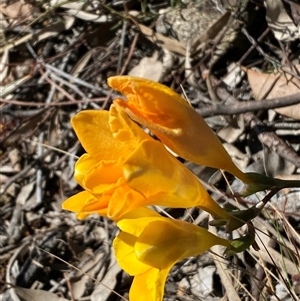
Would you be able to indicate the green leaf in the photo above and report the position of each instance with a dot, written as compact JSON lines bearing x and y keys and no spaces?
{"x":261,"y":182}
{"x":242,"y":243}
{"x":242,"y":217}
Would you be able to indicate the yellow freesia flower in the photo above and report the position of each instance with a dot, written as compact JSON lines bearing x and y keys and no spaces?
{"x":173,"y":121}
{"x":124,"y":168}
{"x":104,"y":135}
{"x":149,"y":245}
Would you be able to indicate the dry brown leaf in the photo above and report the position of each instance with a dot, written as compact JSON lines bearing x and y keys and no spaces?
{"x":148,"y":67}
{"x":275,"y":165}
{"x":233,"y":131}
{"x":161,"y":40}
{"x":211,"y":32}
{"x":240,"y":159}
{"x":26,"y":194}
{"x":81,"y":63}
{"x":261,"y":83}
{"x":271,"y":85}
{"x":17,"y":10}
{"x":88,"y":16}
{"x":202,"y":283}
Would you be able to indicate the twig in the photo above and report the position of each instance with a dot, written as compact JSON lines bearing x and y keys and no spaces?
{"x":271,"y":140}
{"x":253,"y":46}
{"x":64,"y":82}
{"x":74,"y":79}
{"x":258,"y":48}
{"x":265,"y":136}
{"x":69,"y":286}
{"x":51,"y":82}
{"x":244,"y":107}
{"x":42,"y":104}
{"x":122,"y":42}
{"x":131,"y":50}
{"x":39,"y":173}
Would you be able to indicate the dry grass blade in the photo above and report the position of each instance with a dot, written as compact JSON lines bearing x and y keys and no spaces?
{"x":222,"y":269}
{"x":13,"y":86}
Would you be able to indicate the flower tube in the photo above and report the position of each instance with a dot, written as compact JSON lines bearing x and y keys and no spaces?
{"x":173,"y":121}
{"x":149,"y":245}
{"x":124,"y":169}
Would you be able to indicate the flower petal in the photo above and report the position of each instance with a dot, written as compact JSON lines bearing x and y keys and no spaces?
{"x":141,"y":212}
{"x":173,"y":121}
{"x":165,"y":242}
{"x":123,"y":200}
{"x":124,"y":129}
{"x":83,"y":165}
{"x":164,"y":181}
{"x":124,"y":252}
{"x":103,"y":176}
{"x":97,"y":205}
{"x":149,"y":286}
{"x":77,"y":202}
{"x":92,"y":129}
{"x":136,"y":226}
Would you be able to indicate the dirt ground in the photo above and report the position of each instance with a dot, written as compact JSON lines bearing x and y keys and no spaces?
{"x":240,"y":73}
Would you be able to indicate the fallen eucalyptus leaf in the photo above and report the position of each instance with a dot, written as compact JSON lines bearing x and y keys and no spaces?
{"x":275,"y":85}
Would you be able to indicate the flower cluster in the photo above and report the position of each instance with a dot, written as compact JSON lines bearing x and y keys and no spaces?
{"x":125,"y":170}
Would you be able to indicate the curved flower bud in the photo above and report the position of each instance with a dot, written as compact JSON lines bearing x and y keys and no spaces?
{"x":148,"y":246}
{"x":173,"y":121}
{"x":124,"y":168}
